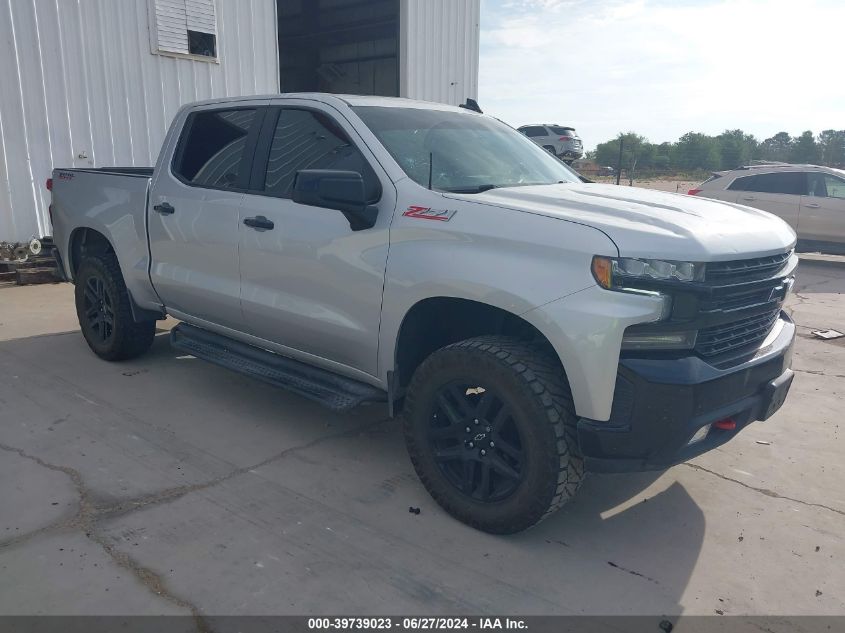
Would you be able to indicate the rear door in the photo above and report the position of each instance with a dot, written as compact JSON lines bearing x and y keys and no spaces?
{"x":777,"y":192}
{"x":309,"y":283}
{"x":193,"y":219}
{"x":823,"y":209}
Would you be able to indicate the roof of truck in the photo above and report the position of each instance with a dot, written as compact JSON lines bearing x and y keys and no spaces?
{"x":351,"y":100}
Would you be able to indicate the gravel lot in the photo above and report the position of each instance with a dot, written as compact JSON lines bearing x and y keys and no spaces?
{"x":168,"y":485}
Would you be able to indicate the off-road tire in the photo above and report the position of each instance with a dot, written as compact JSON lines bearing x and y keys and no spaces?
{"x":531,"y":381}
{"x":128,"y":338}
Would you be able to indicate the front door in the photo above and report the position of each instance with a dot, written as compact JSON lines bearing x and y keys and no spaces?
{"x":193,"y":219}
{"x":823,"y":209}
{"x":309,"y":283}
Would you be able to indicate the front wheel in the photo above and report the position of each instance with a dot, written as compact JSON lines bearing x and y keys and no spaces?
{"x":489,"y":426}
{"x":104,"y":312}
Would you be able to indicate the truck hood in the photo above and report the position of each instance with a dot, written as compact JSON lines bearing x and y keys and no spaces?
{"x":655,"y":224}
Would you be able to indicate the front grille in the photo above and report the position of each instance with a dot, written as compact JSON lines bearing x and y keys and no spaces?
{"x":745,"y":269}
{"x":743,"y":302}
{"x":733,"y":336}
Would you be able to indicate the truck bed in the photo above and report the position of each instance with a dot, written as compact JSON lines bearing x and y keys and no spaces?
{"x":111,"y":201}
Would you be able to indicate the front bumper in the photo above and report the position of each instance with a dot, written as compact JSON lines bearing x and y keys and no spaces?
{"x":660,"y":404}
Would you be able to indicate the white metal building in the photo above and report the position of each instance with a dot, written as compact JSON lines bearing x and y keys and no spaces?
{"x":90,"y":83}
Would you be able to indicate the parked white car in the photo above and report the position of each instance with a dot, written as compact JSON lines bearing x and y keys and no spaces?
{"x":810,"y":198}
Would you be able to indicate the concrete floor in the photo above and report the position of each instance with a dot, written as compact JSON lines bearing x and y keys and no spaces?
{"x":168,"y":485}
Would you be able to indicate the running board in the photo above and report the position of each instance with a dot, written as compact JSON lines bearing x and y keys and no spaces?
{"x":329,"y":389}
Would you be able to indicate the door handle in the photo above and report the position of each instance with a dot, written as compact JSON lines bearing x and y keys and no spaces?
{"x":812,"y":205}
{"x":165,"y":208}
{"x":259,"y":223}
{"x":749,"y":198}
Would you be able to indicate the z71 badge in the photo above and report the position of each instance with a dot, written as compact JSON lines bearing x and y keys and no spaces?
{"x":426,"y":213}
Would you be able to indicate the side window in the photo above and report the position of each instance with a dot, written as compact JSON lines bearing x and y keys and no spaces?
{"x":306,"y":139}
{"x":745,"y":183}
{"x":534,"y":130}
{"x":835,"y":186}
{"x":211,"y":152}
{"x":791,"y":182}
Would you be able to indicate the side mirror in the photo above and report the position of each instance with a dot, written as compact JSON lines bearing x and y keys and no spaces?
{"x":340,"y":190}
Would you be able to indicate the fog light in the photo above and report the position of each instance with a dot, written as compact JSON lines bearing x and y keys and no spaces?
{"x":725,"y":425}
{"x":700,"y":434}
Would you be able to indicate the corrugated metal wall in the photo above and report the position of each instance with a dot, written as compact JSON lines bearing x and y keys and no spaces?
{"x":439,"y":49}
{"x":77,"y":78}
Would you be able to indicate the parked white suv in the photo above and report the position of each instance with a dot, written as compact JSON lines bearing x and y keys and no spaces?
{"x":561,"y":140}
{"x":809,"y":197}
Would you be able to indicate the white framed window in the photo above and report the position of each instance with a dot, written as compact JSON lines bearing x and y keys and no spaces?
{"x":184,"y":28}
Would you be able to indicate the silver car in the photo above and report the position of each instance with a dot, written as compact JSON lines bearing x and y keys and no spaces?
{"x":810,"y":198}
{"x":560,"y":140}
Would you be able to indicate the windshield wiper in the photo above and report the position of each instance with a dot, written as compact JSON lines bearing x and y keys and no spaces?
{"x":474,"y":189}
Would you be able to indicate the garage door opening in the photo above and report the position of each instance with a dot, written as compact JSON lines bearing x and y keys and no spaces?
{"x":339,"y":46}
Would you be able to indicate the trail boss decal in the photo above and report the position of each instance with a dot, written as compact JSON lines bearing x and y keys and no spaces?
{"x":426,"y":213}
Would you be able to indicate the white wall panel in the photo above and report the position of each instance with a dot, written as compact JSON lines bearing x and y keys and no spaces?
{"x":439,"y":49}
{"x":77,"y":78}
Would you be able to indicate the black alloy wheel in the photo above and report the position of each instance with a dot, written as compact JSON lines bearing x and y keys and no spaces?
{"x":476,"y":443}
{"x":99,"y":308}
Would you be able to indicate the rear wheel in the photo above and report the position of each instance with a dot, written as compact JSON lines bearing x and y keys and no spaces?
{"x":104,"y":312}
{"x":490,"y":429}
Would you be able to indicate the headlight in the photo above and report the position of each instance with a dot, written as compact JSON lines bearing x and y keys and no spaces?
{"x":652,"y":341}
{"x":622,"y":273}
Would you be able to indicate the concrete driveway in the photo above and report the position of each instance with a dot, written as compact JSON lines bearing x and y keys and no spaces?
{"x":167,"y":485}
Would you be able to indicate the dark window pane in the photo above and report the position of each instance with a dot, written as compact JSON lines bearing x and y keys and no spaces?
{"x":213,"y":151}
{"x":791,"y":182}
{"x":816,"y":185}
{"x":204,"y":44}
{"x":562,"y":131}
{"x":534,"y":130}
{"x":304,"y":139}
{"x":742,"y":184}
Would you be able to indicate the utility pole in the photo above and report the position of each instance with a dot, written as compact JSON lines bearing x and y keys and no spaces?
{"x":619,"y":162}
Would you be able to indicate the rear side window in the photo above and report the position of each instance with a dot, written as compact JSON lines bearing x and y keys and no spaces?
{"x":211,"y":151}
{"x":790,"y":182}
{"x":306,"y":139}
{"x":534,"y":130}
{"x":562,"y":131}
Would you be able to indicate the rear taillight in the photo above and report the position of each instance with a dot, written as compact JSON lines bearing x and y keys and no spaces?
{"x":49,"y":184}
{"x":565,"y":138}
{"x":694,"y":192}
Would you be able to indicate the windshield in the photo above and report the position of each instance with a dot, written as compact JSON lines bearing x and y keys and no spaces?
{"x":461,"y":152}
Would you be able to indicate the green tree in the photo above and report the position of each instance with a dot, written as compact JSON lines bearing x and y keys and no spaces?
{"x":696,"y":151}
{"x":776,"y":148}
{"x":636,"y":152}
{"x":831,"y":145}
{"x":804,"y":149}
{"x":736,"y":148}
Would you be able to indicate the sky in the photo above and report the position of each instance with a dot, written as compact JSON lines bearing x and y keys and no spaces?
{"x":662,"y":68}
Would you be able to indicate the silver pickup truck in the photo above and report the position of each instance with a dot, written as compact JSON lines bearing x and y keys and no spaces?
{"x":528,"y":326}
